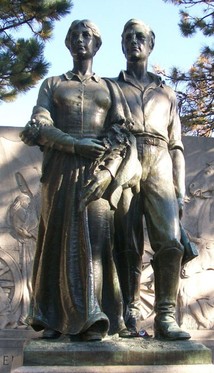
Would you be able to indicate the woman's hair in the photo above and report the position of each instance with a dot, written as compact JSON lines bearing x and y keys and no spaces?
{"x":146,"y":28}
{"x":85,"y":23}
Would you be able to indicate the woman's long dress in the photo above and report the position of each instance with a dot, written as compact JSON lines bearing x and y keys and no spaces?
{"x":75,"y":284}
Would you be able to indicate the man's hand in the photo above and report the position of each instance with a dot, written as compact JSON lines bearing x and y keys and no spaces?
{"x":95,"y":188}
{"x":89,"y":148}
{"x":180,"y":206}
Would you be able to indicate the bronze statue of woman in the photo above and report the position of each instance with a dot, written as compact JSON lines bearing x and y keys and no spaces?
{"x":75,"y":285}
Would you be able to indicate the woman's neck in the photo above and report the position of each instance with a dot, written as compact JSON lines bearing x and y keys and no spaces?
{"x":82,"y":68}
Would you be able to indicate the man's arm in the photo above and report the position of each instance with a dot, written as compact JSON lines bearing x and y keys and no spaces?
{"x":178,"y":163}
{"x":176,"y":151}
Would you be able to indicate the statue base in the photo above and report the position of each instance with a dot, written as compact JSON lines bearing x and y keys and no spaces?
{"x":115,"y":355}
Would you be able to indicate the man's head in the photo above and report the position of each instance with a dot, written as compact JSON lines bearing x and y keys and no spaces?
{"x":137,"y":34}
{"x":83,"y":25}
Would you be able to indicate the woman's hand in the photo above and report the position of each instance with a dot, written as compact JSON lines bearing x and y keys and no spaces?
{"x":89,"y":148}
{"x":30,"y":134}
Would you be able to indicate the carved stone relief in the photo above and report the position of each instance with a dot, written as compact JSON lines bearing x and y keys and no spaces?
{"x":19,"y":213}
{"x":196,"y":292}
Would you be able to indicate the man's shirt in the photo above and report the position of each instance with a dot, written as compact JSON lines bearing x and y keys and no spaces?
{"x":154,"y":109}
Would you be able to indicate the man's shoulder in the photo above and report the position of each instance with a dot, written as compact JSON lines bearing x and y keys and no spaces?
{"x":170,"y":91}
{"x":111,"y":79}
{"x":161,"y":83}
{"x":113,"y":84}
{"x":117,"y":78}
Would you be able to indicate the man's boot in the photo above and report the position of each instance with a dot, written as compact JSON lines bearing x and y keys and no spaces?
{"x":167,"y":265}
{"x":129,"y":266}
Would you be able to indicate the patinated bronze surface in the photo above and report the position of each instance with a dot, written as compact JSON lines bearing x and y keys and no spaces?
{"x":81,"y":124}
{"x":158,"y":132}
{"x":90,"y":241}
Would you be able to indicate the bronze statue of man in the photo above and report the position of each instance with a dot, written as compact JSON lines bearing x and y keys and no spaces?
{"x":162,"y":188}
{"x":75,"y":285}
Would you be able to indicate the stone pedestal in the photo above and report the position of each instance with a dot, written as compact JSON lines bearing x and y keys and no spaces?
{"x":11,"y":347}
{"x":120,"y":369}
{"x":115,"y":355}
{"x":10,"y":354}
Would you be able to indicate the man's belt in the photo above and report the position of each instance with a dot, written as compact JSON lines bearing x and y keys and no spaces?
{"x":149,"y":140}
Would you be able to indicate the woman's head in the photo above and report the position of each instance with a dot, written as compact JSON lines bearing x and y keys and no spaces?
{"x":87,"y":24}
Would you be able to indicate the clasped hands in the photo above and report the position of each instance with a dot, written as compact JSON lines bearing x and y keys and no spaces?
{"x":36,"y":133}
{"x":92,"y":148}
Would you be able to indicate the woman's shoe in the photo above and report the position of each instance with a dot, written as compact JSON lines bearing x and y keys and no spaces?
{"x":50,"y":334}
{"x":91,"y":335}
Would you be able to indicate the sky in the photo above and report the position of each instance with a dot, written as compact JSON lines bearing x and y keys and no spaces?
{"x":171,"y":49}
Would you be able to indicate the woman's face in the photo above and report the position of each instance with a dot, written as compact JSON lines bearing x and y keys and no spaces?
{"x":83,"y":43}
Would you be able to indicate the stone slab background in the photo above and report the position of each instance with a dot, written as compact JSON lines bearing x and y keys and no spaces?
{"x":20,"y":168}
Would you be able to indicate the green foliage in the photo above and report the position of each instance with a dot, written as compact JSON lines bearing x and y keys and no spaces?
{"x":22,"y":62}
{"x":195,"y":87}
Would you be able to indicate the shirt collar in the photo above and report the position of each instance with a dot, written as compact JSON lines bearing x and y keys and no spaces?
{"x":71,"y":76}
{"x":157,"y":81}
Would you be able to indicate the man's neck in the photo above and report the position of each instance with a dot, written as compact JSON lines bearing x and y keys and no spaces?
{"x":138,"y":70}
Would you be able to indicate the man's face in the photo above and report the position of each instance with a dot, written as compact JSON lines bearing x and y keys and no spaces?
{"x":136,"y":44}
{"x":83,"y":43}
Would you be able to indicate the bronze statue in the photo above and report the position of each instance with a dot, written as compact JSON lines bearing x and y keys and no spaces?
{"x":162,"y":188}
{"x":81,"y":122}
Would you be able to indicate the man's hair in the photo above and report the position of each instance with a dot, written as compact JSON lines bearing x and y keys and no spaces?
{"x":146,"y":28}
{"x":85,"y":23}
